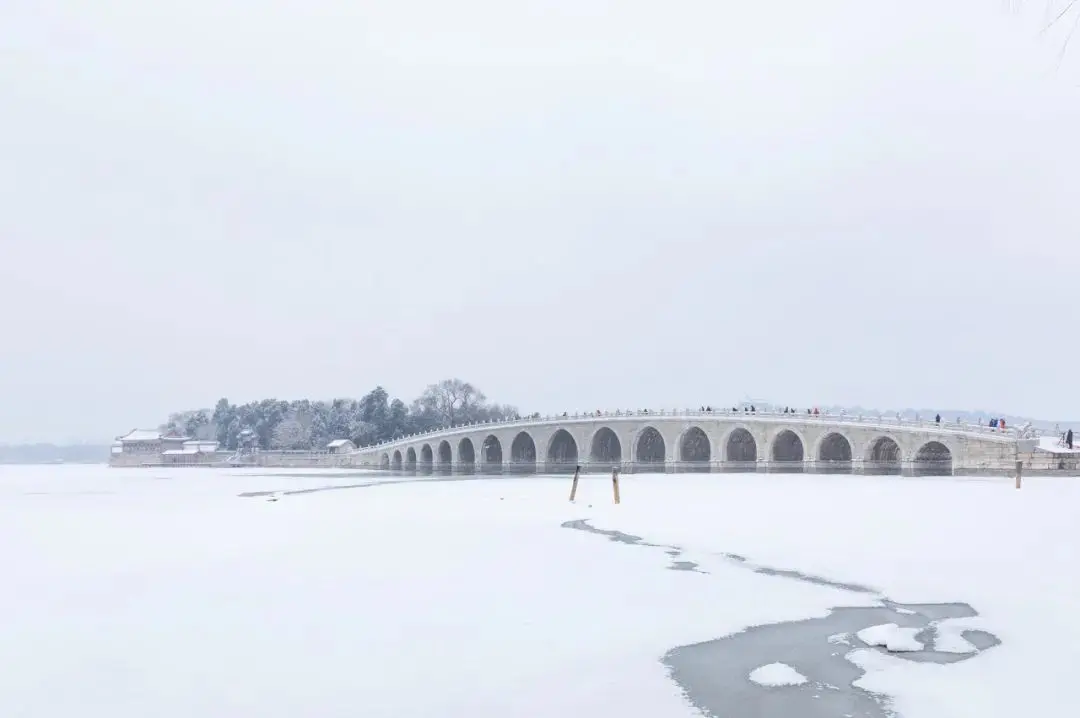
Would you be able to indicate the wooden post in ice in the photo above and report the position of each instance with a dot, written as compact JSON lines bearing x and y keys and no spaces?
{"x":615,"y":484}
{"x":1019,"y":464}
{"x":573,"y":487}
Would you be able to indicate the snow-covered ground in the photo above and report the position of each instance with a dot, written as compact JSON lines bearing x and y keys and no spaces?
{"x":1053,"y":444}
{"x":131,"y":593}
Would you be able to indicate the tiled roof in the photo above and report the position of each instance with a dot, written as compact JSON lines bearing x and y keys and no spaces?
{"x":337,"y":443}
{"x":142,"y":435}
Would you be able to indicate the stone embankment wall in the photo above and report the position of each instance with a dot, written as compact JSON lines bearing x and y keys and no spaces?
{"x":135,"y":460}
{"x":1046,"y":463}
{"x":302,"y":459}
{"x":262,"y":459}
{"x":983,"y":459}
{"x":124,"y":460}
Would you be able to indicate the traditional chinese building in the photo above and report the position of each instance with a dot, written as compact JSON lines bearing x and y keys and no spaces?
{"x":142,"y":447}
{"x":341,"y":446}
{"x":192,"y":451}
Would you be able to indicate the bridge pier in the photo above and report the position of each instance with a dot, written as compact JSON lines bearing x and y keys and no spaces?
{"x":787,"y":467}
{"x":561,"y":467}
{"x":830,"y":467}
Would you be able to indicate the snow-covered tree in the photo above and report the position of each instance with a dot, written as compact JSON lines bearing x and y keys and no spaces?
{"x":307,"y":424}
{"x":292,"y":433}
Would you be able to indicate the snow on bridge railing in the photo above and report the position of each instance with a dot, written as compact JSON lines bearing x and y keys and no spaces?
{"x":824,"y":417}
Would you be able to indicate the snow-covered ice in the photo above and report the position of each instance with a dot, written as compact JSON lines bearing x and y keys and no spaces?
{"x":135,"y":592}
{"x":949,"y":638}
{"x":891,"y":637}
{"x":777,"y":674}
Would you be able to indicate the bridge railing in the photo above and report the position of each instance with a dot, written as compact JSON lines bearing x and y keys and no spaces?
{"x":822,"y":417}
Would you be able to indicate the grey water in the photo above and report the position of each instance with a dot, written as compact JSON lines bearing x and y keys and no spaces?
{"x":388,"y":478}
{"x":715,"y":674}
{"x":672,"y":551}
{"x":344,"y":487}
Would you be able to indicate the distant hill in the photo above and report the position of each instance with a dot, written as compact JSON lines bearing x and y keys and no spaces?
{"x":52,"y":453}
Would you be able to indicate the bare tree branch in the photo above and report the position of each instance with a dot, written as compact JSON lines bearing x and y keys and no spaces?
{"x":1059,"y":16}
{"x":1068,"y":38}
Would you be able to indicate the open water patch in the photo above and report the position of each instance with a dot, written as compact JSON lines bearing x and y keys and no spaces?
{"x":809,"y":578}
{"x":673,"y":551}
{"x":347,"y":487}
{"x":408,"y":479}
{"x":716,"y":675}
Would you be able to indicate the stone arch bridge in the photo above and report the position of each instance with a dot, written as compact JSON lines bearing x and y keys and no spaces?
{"x":666,"y":441}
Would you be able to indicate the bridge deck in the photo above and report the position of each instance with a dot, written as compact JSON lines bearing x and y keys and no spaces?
{"x":881,"y":423}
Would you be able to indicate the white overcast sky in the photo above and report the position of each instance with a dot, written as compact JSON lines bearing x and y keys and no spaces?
{"x":571,"y":203}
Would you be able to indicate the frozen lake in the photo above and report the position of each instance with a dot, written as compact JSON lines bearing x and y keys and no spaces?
{"x":180,"y":593}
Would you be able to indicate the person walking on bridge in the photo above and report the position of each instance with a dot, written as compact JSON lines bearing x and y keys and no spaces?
{"x":1069,"y":439}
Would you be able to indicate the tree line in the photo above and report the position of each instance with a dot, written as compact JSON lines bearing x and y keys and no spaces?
{"x":306,"y":424}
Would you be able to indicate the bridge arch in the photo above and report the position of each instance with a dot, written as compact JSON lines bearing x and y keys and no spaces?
{"x":466,"y":454}
{"x":491,"y":453}
{"x":523,"y":452}
{"x":384,"y":461}
{"x":562,"y":451}
{"x":445,"y":455}
{"x":605,"y":447}
{"x":787,"y":451}
{"x":833,"y":454}
{"x":695,"y":449}
{"x":410,"y":459}
{"x":395,"y":462}
{"x":740,"y":448}
{"x":883,"y":456}
{"x":933,"y":459}
{"x":427,"y":457}
{"x":650,"y":451}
